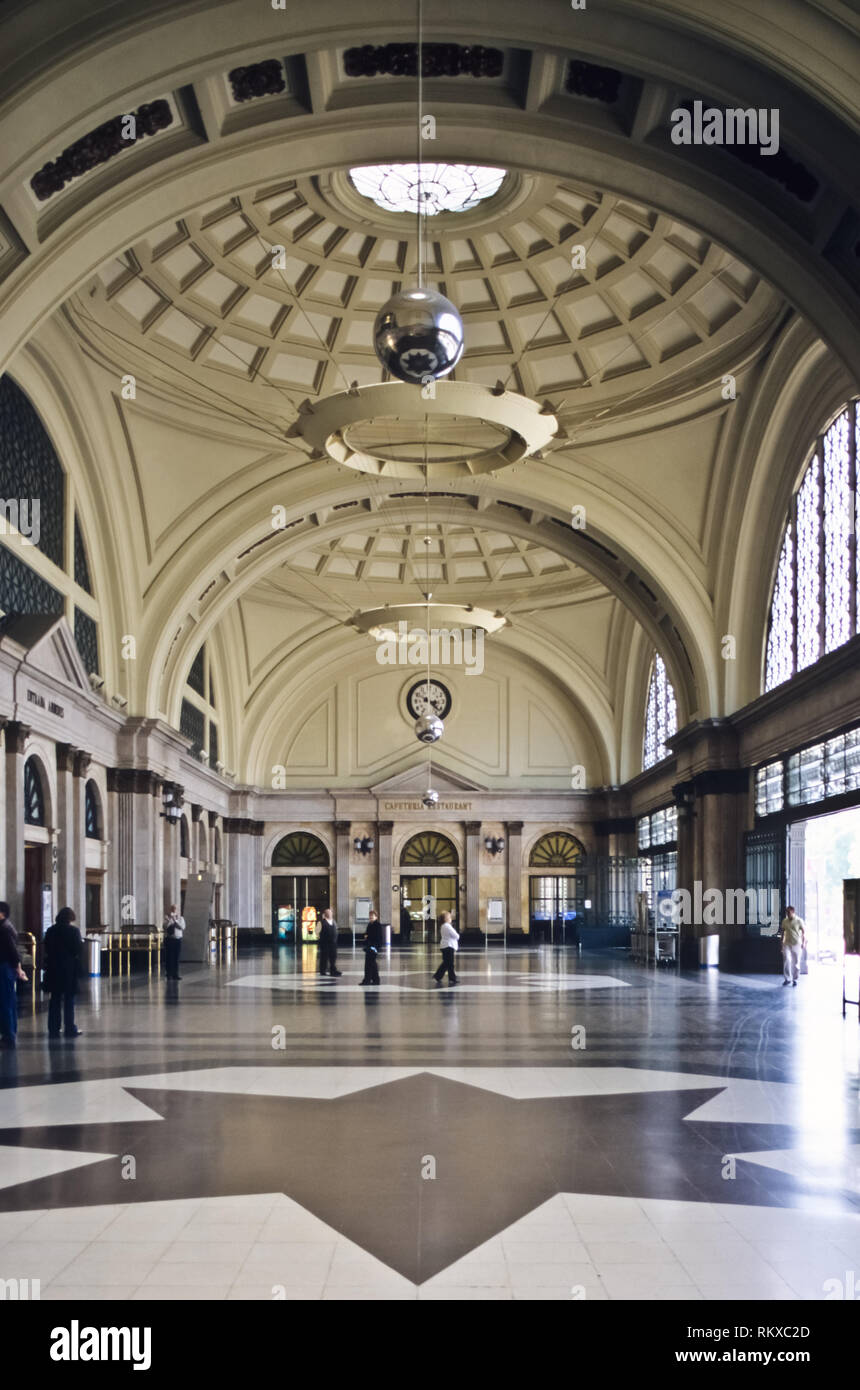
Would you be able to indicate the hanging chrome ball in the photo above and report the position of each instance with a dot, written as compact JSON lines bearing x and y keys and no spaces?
{"x":429,"y":728}
{"x":418,"y":335}
{"x":430,"y":799}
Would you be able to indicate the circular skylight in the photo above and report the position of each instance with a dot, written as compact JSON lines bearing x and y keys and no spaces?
{"x":441,"y":187}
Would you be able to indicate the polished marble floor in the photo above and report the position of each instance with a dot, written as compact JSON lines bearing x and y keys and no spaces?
{"x":556,"y":1126}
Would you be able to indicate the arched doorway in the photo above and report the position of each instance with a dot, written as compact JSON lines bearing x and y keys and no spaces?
{"x":301,"y":887}
{"x":38,"y":904}
{"x":93,"y":835}
{"x":557,"y":899}
{"x":429,"y":885}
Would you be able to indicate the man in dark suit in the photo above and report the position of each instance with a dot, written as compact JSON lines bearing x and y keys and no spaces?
{"x":373,"y":943}
{"x":328,"y":944}
{"x":63,"y":950}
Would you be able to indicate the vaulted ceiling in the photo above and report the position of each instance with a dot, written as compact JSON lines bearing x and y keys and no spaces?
{"x":697,"y":272}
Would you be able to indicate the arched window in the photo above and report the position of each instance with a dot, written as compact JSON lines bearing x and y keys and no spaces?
{"x":429,"y":849}
{"x":300,"y":849}
{"x":814,"y":607}
{"x":661,"y":715}
{"x":216,"y":846}
{"x":92,"y":812}
{"x":34,"y":796}
{"x":557,"y":850}
{"x":183,"y":838}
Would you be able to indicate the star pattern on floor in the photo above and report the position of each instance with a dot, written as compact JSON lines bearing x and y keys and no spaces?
{"x":444,"y":1165}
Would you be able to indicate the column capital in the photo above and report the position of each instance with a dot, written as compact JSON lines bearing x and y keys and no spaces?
{"x":514,"y":827}
{"x":16,"y":736}
{"x":236,"y":825}
{"x":473,"y":827}
{"x":342,"y":827}
{"x":213,"y":819}
{"x":65,"y":757}
{"x":196,"y":814}
{"x":385,"y":827}
{"x":82,"y":762}
{"x":133,"y":779}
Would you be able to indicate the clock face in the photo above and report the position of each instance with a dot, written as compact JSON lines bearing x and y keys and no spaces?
{"x":432,"y":696}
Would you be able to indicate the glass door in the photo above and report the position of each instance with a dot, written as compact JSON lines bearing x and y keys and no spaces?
{"x":556,"y":906}
{"x":424,"y":897}
{"x":298,"y":902}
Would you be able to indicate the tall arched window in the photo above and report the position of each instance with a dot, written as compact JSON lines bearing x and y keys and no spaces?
{"x":92,"y":812}
{"x":661,"y":714}
{"x":34,"y":796}
{"x":183,"y":838}
{"x":814,"y":607}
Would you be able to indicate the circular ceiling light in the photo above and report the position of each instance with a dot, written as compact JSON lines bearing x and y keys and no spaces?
{"x":441,"y":188}
{"x":460,"y":431}
{"x":407,"y":622}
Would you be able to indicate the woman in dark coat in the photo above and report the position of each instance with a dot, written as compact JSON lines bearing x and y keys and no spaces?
{"x":63,"y":951}
{"x":373,"y":941}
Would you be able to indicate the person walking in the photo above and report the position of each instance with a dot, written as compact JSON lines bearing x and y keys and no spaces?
{"x":174,"y":930}
{"x":63,"y":950}
{"x":374,"y":939}
{"x":328,"y":944}
{"x":449,"y":940}
{"x":793,"y":933}
{"x":11,"y":971}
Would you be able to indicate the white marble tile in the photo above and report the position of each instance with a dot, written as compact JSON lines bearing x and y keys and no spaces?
{"x":310,"y":1291}
{"x":191,"y":1292}
{"x":287,"y":1262}
{"x":117,"y":1263}
{"x":23,"y":1258}
{"x":59,"y":1292}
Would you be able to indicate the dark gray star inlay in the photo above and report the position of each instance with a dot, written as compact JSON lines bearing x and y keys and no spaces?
{"x":356,"y":1161}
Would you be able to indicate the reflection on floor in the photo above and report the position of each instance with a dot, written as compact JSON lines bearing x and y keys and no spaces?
{"x":565,"y":1127}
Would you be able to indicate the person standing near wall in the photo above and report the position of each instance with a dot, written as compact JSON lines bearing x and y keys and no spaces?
{"x":793,"y":933}
{"x":174,"y":930}
{"x":11,"y":971}
{"x":328,"y":944}
{"x":63,"y":951}
{"x":449,"y":940}
{"x":373,"y":943}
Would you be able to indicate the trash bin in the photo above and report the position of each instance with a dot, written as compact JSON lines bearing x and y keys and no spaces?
{"x":94,"y":955}
{"x":709,"y":949}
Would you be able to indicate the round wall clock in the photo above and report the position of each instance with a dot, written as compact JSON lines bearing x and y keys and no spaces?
{"x":433,"y":697}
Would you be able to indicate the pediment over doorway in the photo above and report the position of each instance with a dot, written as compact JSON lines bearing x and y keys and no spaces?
{"x":414,"y":780}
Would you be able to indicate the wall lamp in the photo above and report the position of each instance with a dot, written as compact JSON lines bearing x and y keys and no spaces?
{"x":494,"y":844}
{"x":172,"y":802}
{"x":363,"y":845}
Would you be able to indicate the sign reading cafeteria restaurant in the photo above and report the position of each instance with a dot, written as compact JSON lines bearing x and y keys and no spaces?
{"x":419,"y":806}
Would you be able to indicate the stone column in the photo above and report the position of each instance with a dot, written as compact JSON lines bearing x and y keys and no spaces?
{"x":170,"y":876}
{"x":16,"y":737}
{"x":514,"y":904}
{"x":343,"y":916}
{"x":78,"y":893}
{"x":243,"y":855}
{"x":69,"y":851}
{"x":196,"y":861}
{"x":137,"y":827}
{"x":385,"y":905}
{"x":472,"y":912}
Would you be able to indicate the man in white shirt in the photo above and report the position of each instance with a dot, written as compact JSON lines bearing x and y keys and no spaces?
{"x":449,"y":940}
{"x":174,"y":929}
{"x":793,"y":932}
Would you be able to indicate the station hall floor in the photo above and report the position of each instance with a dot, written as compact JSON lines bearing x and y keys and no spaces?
{"x":556,"y":1126}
